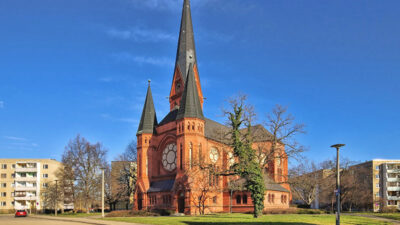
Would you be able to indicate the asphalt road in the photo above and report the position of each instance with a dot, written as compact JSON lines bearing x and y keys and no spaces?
{"x":47,"y":220}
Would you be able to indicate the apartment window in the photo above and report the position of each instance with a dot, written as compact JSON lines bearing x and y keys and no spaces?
{"x":3,"y":204}
{"x":377,"y":176}
{"x":377,"y":167}
{"x":4,"y":166}
{"x":45,"y":175}
{"x":13,"y":166}
{"x":377,"y":195}
{"x":12,"y":194}
{"x":13,"y":175}
{"x":45,"y":185}
{"x":45,"y":166}
{"x":3,"y":185}
{"x":3,"y":175}
{"x":377,"y":185}
{"x":3,"y":194}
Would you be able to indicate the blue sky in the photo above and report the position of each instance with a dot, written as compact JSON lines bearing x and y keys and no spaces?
{"x":81,"y":66}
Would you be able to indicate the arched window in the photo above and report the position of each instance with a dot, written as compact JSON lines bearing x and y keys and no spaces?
{"x":238,"y":199}
{"x":190,"y":154}
{"x":193,"y":127}
{"x":181,"y":156}
{"x":200,"y":154}
{"x":269,"y":198}
{"x":188,"y":125}
{"x":244,"y":199}
{"x":273,"y":198}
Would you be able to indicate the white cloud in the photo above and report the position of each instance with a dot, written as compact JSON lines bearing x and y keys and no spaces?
{"x":14,"y":138}
{"x":157,"y":61}
{"x":141,"y":35}
{"x":1,"y":104}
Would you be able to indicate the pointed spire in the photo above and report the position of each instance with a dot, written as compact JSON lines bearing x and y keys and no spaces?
{"x":148,"y":121}
{"x":190,"y":106}
{"x":186,"y":49}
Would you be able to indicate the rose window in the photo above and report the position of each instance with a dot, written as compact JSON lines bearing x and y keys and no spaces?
{"x":169,"y":157}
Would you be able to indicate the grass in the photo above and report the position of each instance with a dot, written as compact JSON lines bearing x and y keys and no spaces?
{"x":393,"y":216}
{"x":247,"y":219}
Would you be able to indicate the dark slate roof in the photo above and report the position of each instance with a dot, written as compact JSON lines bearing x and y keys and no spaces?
{"x":270,"y":184}
{"x":221,"y":133}
{"x":148,"y":121}
{"x":186,"y":53}
{"x":170,"y":117}
{"x":190,"y":106}
{"x":159,"y":186}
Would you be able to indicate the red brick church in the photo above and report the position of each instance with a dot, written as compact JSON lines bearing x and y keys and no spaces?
{"x":169,"y":151}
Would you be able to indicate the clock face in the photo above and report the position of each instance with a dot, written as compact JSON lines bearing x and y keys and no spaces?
{"x":214,"y":155}
{"x":169,"y":157}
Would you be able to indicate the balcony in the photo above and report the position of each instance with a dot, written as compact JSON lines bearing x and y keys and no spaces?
{"x":25,"y":188}
{"x":393,"y":198}
{"x":26,"y":169}
{"x":25,"y":178}
{"x":25,"y":198}
{"x":393,"y":179}
{"x":393,"y":188}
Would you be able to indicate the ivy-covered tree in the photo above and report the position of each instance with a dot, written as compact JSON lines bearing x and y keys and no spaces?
{"x":247,"y":165}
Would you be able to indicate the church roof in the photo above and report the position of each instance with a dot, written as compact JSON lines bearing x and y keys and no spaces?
{"x":186,"y":53}
{"x":148,"y":121}
{"x":190,"y":106}
{"x":159,"y":186}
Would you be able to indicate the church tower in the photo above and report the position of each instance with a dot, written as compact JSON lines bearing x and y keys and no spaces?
{"x":186,"y":55}
{"x":145,"y":133}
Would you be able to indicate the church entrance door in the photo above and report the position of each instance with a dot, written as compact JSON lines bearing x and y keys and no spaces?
{"x":181,"y":203}
{"x":140,"y":201}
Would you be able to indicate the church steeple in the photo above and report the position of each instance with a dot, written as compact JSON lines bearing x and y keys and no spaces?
{"x":186,"y":55}
{"x":190,"y":106}
{"x":148,"y":121}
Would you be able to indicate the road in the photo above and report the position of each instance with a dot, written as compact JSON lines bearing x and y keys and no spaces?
{"x":47,"y":220}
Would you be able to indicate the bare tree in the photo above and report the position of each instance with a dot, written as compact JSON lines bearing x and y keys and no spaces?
{"x":85,"y":160}
{"x":126,"y":175}
{"x":282,"y":133}
{"x":305,"y":181}
{"x":52,"y":196}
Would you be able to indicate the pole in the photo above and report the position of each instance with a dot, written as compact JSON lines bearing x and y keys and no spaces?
{"x":102,"y":194}
{"x":337,"y":191}
{"x":56,"y":199}
{"x":337,"y":188}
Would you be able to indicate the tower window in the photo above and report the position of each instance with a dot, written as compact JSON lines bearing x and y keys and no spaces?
{"x":238,"y":199}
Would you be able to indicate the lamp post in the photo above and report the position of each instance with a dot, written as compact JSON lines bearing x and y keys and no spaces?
{"x":56,"y":199}
{"x":337,"y":191}
{"x":102,"y":192}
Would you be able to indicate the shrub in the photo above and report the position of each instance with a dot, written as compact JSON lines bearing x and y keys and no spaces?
{"x":311,"y":211}
{"x":281,"y":211}
{"x":389,"y":209}
{"x":131,"y":213}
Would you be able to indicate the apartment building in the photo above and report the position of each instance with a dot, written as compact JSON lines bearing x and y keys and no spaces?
{"x":387,"y":184}
{"x":22,"y":180}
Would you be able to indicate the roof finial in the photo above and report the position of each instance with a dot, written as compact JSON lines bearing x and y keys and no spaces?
{"x":149,"y":81}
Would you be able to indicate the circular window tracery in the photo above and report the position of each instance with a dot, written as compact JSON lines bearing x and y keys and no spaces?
{"x":214,"y":155}
{"x":169,"y":157}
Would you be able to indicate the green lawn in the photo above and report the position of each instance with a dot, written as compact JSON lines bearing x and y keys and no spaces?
{"x":246,"y":219}
{"x":393,"y":216}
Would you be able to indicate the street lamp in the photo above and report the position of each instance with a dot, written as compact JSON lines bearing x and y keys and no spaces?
{"x":56,"y":199}
{"x":337,"y":191}
{"x":102,"y":192}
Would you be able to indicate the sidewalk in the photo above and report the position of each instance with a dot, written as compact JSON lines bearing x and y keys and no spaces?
{"x":92,"y":220}
{"x":374,"y":217}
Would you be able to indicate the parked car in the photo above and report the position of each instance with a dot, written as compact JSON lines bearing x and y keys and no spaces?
{"x":21,"y":213}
